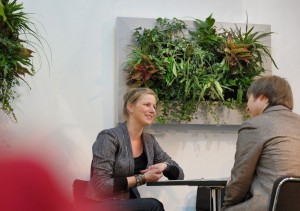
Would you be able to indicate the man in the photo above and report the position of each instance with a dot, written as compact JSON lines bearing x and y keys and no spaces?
{"x":268,"y":145}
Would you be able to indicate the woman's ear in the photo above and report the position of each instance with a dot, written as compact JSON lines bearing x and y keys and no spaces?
{"x":130,"y":108}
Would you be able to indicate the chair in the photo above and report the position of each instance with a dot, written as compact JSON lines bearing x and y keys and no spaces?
{"x":285,"y":194}
{"x":79,"y":187}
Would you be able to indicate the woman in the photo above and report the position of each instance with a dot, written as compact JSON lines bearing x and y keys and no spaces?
{"x":125,"y":157}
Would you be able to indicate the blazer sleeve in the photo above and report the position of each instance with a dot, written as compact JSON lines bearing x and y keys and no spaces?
{"x":161,"y":156}
{"x":104,"y":155}
{"x":248,"y":151}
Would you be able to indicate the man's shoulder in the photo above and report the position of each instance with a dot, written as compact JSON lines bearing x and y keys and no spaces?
{"x":262,"y":119}
{"x":256,"y":123}
{"x":252,"y":123}
{"x":272,"y":119}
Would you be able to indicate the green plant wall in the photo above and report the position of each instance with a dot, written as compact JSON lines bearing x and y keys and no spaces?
{"x":187,"y":68}
{"x":19,"y":40}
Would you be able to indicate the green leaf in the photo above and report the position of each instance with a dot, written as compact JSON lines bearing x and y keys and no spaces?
{"x":174,"y":69}
{"x":2,"y":11}
{"x":219,"y":89}
{"x":240,"y":95}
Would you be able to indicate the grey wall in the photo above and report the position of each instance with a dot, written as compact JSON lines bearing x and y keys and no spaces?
{"x":60,"y":116}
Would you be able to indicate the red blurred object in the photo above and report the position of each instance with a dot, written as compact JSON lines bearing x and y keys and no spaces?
{"x":79,"y":187}
{"x":26,"y":185}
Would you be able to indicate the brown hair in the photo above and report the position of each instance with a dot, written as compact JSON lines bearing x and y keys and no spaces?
{"x":132,"y":97}
{"x":275,"y":88}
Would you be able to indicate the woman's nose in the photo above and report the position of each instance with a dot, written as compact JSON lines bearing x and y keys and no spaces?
{"x":153,"y":109}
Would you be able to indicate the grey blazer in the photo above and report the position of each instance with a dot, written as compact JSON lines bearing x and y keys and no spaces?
{"x":112,"y":157}
{"x":268,"y":146}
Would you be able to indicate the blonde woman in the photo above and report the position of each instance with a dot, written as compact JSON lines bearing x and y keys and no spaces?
{"x":125,"y":157}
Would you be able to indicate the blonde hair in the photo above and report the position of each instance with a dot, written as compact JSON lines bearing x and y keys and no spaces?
{"x":132,"y":96}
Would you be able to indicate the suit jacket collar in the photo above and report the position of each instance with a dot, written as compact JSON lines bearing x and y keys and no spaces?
{"x":275,"y":108}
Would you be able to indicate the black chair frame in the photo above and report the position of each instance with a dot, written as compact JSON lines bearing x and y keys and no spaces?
{"x":285,"y":194}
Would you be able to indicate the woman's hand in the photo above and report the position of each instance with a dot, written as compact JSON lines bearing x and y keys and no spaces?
{"x":160,"y":166}
{"x":152,"y":175}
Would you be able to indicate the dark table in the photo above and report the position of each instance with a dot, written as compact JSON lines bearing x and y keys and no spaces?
{"x":214,"y":185}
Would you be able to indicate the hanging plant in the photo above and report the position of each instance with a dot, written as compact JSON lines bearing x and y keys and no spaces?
{"x":18,"y":41}
{"x":189,"y":68}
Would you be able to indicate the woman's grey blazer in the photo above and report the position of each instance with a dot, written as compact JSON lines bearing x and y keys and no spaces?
{"x":112,"y":157}
{"x":268,"y":147}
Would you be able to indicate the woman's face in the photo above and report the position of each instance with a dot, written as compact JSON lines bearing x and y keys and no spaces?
{"x":144,"y":110}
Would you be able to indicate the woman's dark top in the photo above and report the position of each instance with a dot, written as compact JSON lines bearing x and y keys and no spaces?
{"x":140,"y":163}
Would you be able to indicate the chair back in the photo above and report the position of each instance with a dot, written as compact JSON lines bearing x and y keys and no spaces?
{"x":285,"y":194}
{"x":79,"y":187}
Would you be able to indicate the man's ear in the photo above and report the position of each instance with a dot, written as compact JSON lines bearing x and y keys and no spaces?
{"x":263,"y":98}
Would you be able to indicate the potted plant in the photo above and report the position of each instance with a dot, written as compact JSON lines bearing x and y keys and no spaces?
{"x":189,"y":68}
{"x":18,"y":41}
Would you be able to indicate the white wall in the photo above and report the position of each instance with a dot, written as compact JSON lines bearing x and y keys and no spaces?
{"x":67,"y":106}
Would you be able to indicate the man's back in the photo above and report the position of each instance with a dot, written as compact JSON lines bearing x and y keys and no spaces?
{"x":279,"y":129}
{"x":271,"y":146}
